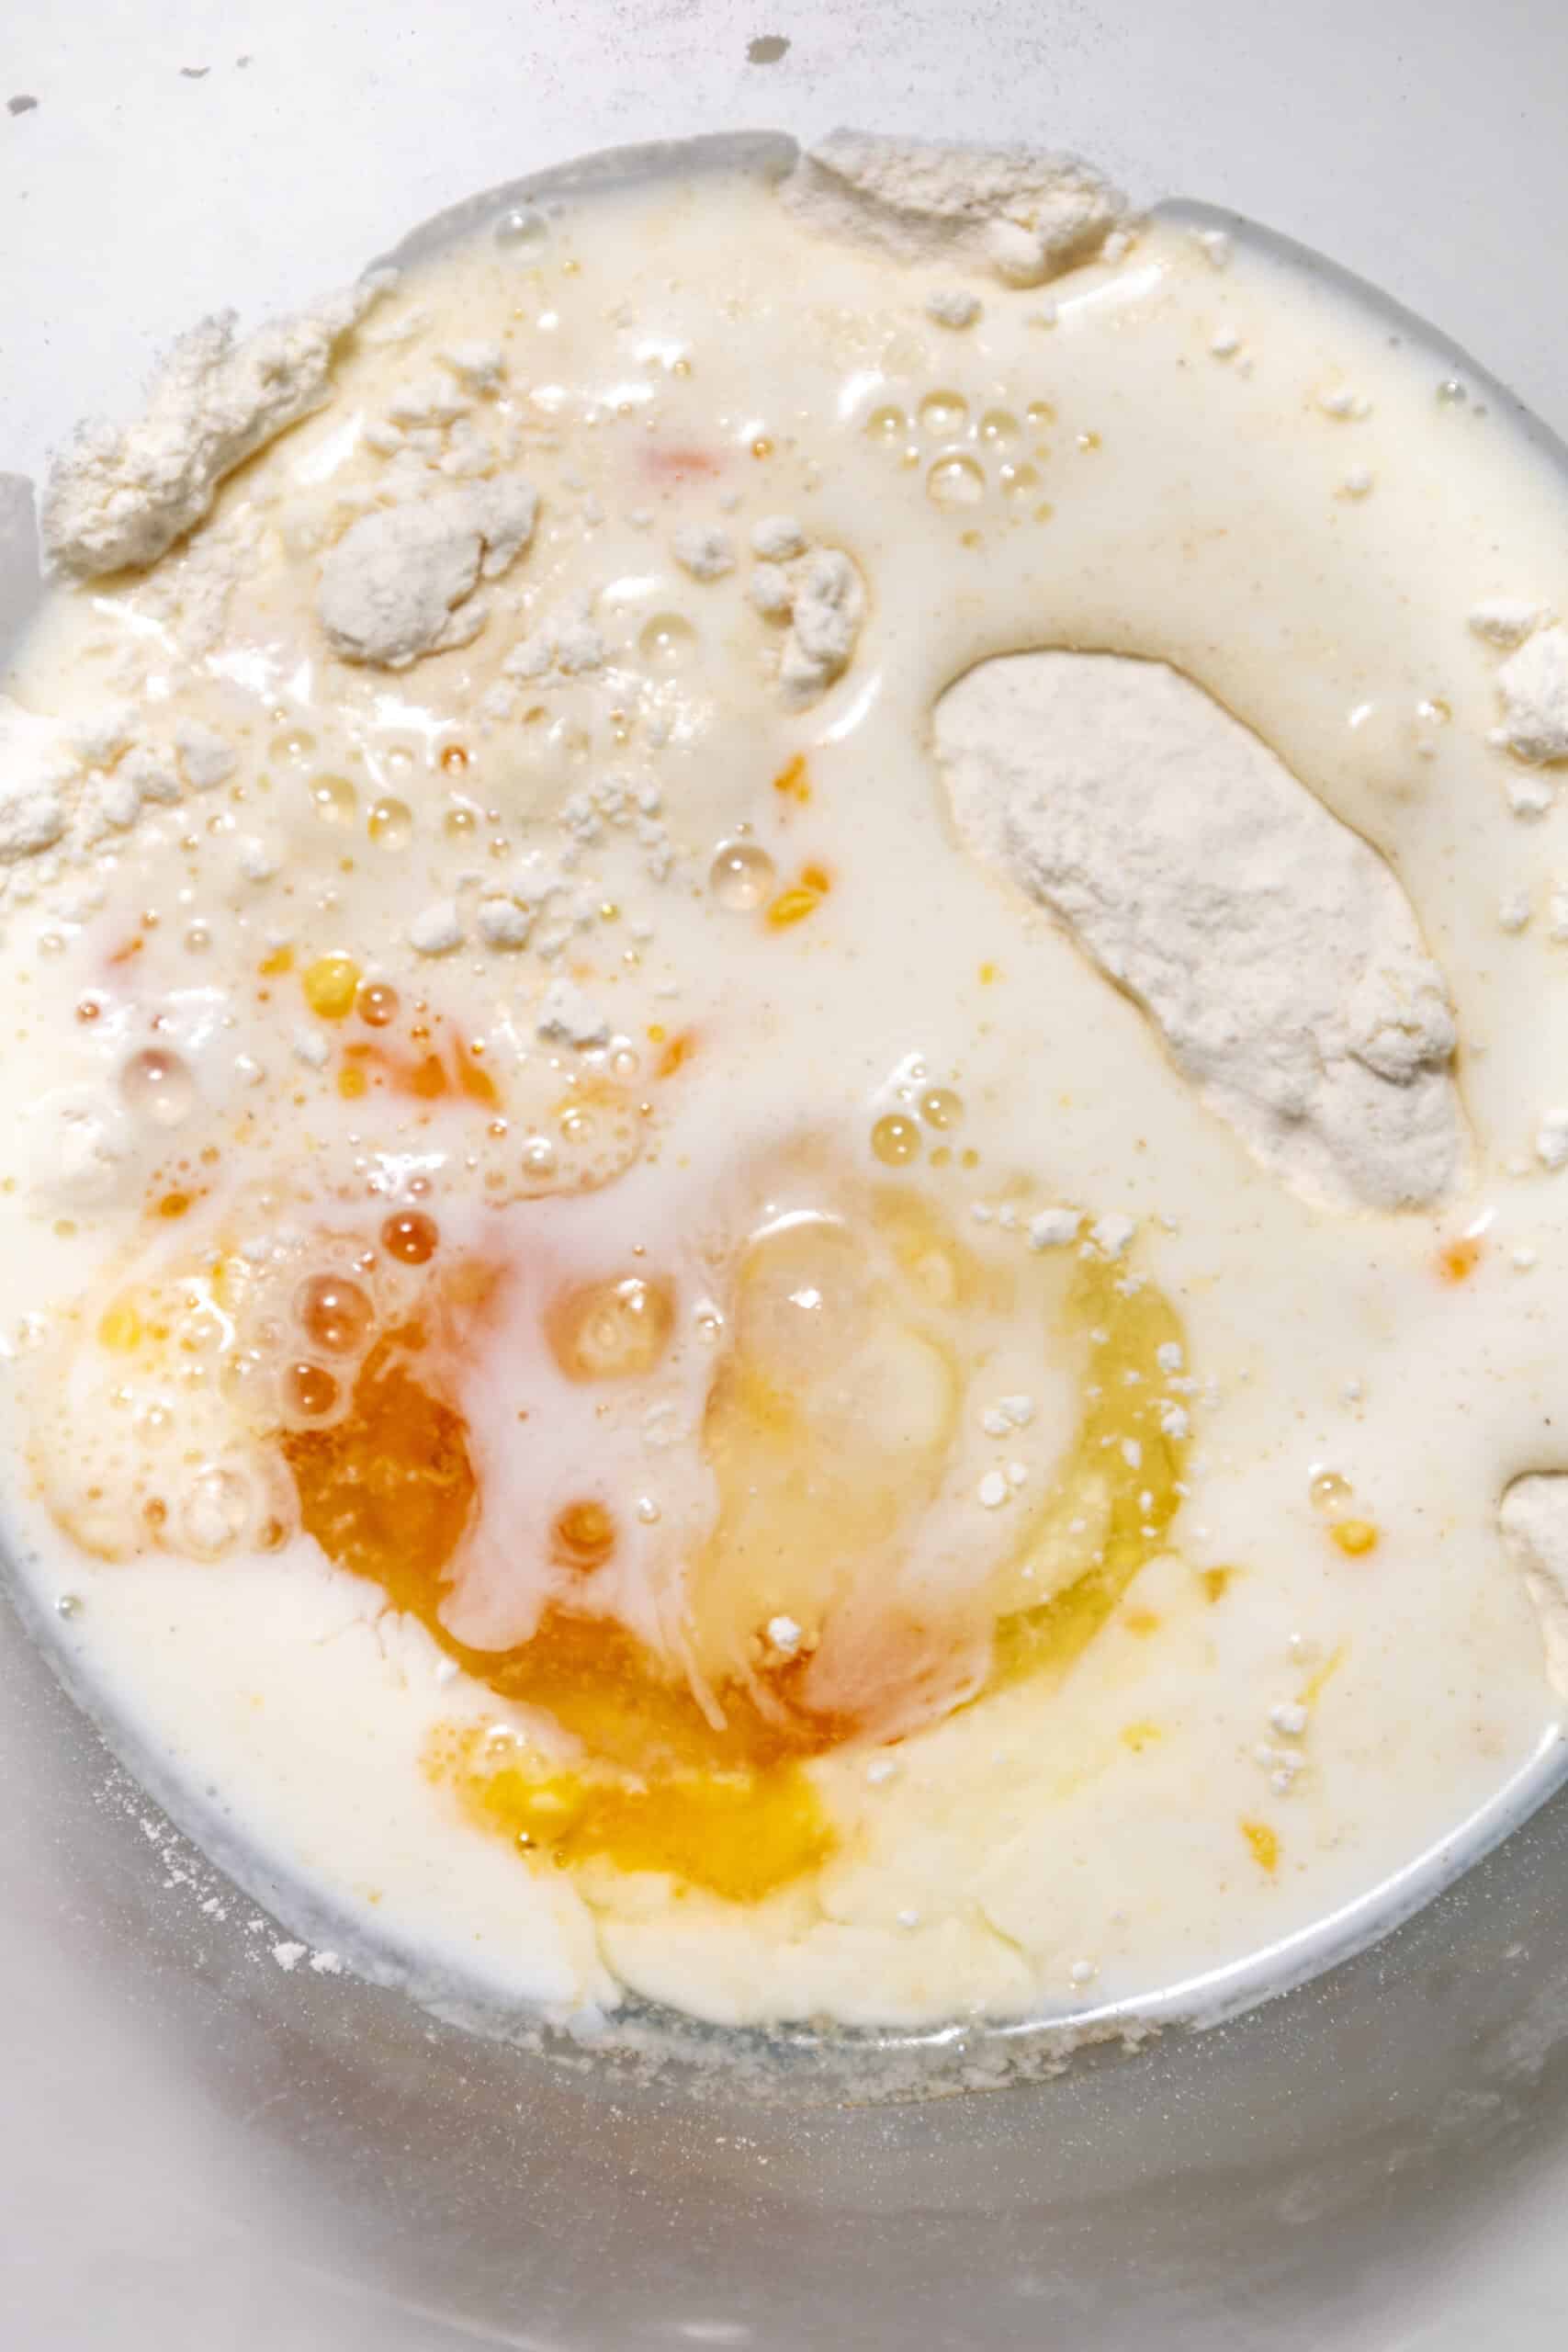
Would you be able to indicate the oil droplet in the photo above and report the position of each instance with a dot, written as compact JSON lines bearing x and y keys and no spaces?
{"x":458,"y":822}
{"x":895,"y":1140}
{"x":295,"y":745}
{"x":158,"y":1085}
{"x":1356,"y":1536}
{"x":955,"y":482}
{"x":1017,"y":481}
{"x":334,"y":1313}
{"x":391,"y":824}
{"x":333,"y":799}
{"x":330,"y":985}
{"x":521,"y":228}
{"x":941,"y":1107}
{"x":667,"y":641}
{"x":944,"y":413}
{"x":377,"y":1005}
{"x":742,"y":875}
{"x":888,"y":425}
{"x":1039,"y":414}
{"x":539,"y":1158}
{"x":1451,"y":392}
{"x":997,"y":427}
{"x":1329,"y":1491}
{"x":410,"y":1238}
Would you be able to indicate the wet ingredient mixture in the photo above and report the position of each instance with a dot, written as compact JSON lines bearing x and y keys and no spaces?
{"x":783,"y":1212}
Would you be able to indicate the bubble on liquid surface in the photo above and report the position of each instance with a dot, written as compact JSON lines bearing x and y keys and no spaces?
{"x":742,"y":875}
{"x":944,"y":413}
{"x":955,"y":482}
{"x":895,"y":1140}
{"x":391,"y":824}
{"x":333,"y":799}
{"x":334,"y":1313}
{"x":158,"y":1085}
{"x":521,"y":228}
{"x":668,"y":640}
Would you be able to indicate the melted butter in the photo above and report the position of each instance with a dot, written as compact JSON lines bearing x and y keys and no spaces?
{"x":828,"y":1430}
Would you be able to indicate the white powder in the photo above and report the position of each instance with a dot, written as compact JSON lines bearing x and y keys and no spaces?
{"x":565,"y":647}
{"x":503,"y":923}
{"x":207,"y":759}
{"x":1022,"y":215}
{"x":399,"y":582}
{"x":116,"y":499}
{"x":1533,"y":1521}
{"x":1053,"y":1228}
{"x":1272,"y":947}
{"x":437,"y":930}
{"x":827,"y":606}
{"x":706,"y":554}
{"x":569,"y":1016}
{"x":480,"y":366}
{"x":1534,"y":687}
{"x":953,"y":306}
{"x":777,"y":538}
{"x":771,"y":592}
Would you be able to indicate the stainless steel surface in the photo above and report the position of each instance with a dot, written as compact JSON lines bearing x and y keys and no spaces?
{"x":204,"y":2151}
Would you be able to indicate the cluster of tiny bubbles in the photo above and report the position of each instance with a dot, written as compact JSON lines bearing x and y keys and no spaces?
{"x":667,"y":641}
{"x":563,"y":1133}
{"x":955,"y":477}
{"x":158,"y":1087}
{"x":742,"y":875}
{"x":155,"y":1456}
{"x":307,"y":1310}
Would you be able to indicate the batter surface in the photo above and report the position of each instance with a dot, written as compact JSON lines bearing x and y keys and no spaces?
{"x":783,"y":1196}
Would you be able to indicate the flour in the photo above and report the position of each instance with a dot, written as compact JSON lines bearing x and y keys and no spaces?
{"x":1533,"y":1521}
{"x":1273,"y":950}
{"x":1534,"y":687}
{"x":706,"y":554}
{"x":399,"y":582}
{"x":119,"y":499}
{"x":1023,"y":216}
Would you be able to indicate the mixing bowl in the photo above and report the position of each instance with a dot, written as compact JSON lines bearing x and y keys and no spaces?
{"x":205,"y":2150}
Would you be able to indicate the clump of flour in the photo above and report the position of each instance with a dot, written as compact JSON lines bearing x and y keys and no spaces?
{"x":1023,"y":216}
{"x":819,"y":592}
{"x":1272,"y":948}
{"x":1533,"y":1521}
{"x":120,"y":499}
{"x":399,"y":582}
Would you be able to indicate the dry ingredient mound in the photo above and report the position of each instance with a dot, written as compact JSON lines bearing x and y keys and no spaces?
{"x":399,"y":582}
{"x":1024,"y":216}
{"x":1272,"y":948}
{"x":118,"y":500}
